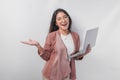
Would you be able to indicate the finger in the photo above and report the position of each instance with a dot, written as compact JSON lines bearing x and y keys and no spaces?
{"x":88,"y":45}
{"x":24,"y":42}
{"x":89,"y":49}
{"x":30,"y":40}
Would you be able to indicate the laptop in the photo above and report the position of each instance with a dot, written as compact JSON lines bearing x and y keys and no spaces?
{"x":90,"y":38}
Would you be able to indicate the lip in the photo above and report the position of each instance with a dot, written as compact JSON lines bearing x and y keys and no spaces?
{"x":63,"y":24}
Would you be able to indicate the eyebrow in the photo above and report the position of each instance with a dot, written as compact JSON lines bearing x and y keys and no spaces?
{"x":63,"y":16}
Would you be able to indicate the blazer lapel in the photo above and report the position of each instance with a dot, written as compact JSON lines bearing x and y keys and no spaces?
{"x":75,"y":43}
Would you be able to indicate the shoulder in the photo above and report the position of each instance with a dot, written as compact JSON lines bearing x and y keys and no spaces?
{"x":75,"y":34}
{"x":51,"y":35}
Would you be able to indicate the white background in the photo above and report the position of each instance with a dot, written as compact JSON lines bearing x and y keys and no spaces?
{"x":24,"y":19}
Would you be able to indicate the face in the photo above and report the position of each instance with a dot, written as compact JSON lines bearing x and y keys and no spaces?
{"x":62,"y":21}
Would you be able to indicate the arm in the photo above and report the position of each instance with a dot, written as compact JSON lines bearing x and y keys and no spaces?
{"x":88,"y":49}
{"x":43,"y":52}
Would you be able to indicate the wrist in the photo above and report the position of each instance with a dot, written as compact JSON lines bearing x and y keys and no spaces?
{"x":37,"y":44}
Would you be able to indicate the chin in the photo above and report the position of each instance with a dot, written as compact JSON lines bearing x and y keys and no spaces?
{"x":65,"y":28}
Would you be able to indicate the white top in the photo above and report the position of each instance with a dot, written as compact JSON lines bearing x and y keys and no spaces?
{"x":68,"y":41}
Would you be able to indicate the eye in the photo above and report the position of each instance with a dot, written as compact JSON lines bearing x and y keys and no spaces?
{"x":65,"y":16}
{"x":58,"y":19}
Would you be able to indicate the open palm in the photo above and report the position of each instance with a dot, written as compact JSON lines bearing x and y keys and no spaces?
{"x":30,"y":42}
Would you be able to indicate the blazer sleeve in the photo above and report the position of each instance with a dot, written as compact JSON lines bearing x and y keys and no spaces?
{"x":48,"y":47}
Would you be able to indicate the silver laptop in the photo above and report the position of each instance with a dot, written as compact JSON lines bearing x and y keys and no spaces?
{"x":90,"y":38}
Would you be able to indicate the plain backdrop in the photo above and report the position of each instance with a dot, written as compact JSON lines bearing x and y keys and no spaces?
{"x":29,"y":19}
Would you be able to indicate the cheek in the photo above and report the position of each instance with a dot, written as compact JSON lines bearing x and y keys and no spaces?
{"x":57,"y":23}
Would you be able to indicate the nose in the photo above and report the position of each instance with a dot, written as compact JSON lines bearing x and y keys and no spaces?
{"x":63,"y":20}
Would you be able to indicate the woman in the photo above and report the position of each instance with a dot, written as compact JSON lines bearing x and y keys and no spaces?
{"x":60,"y":43}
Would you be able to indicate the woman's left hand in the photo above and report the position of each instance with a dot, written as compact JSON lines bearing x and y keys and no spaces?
{"x":88,"y":49}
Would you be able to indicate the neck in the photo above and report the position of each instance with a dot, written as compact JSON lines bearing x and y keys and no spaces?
{"x":64,"y":32}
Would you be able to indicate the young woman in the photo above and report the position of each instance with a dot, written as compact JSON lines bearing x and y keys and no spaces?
{"x":60,"y":43}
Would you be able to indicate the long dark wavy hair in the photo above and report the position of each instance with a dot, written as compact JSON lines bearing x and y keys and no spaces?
{"x":53,"y":26}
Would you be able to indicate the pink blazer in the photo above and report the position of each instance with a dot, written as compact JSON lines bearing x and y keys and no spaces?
{"x":57,"y":65}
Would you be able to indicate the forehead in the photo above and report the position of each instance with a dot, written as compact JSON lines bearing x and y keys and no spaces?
{"x":60,"y":14}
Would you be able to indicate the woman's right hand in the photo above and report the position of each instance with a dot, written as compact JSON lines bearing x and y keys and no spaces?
{"x":31,"y":42}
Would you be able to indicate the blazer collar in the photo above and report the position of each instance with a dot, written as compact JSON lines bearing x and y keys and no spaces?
{"x":74,"y":40}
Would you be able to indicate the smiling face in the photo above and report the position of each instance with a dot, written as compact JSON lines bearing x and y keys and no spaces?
{"x":62,"y":21}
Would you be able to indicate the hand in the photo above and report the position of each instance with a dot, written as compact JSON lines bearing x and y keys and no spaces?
{"x":88,"y":49}
{"x":30,"y":42}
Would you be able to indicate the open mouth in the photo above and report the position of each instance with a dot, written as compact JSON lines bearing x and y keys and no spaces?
{"x":63,"y":24}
